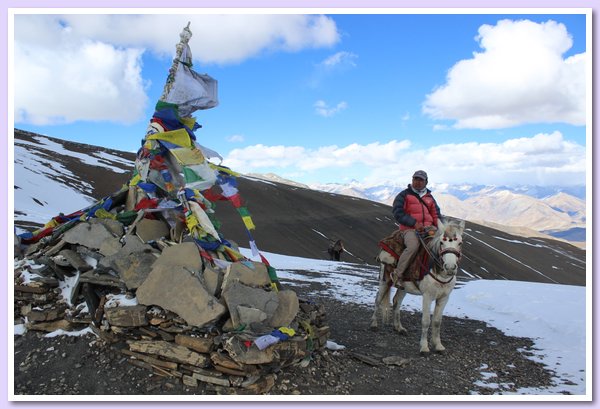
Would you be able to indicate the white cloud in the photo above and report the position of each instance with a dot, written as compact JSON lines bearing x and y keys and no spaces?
{"x":88,"y":67}
{"x":222,"y":39}
{"x":342,"y":58}
{"x":235,"y":138}
{"x":541,"y":159}
{"x":77,"y":79}
{"x":297,"y":158}
{"x":324,"y":110}
{"x":520,"y":77}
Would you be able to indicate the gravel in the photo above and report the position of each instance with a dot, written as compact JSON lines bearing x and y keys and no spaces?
{"x":478,"y":360}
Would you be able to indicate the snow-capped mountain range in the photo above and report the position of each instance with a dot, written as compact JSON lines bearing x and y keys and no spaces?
{"x":558,"y":211}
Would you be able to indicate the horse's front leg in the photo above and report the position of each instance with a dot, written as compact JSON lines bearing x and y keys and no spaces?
{"x":382,"y":300}
{"x":397,"y":302}
{"x":425,"y":321}
{"x":436,"y":325}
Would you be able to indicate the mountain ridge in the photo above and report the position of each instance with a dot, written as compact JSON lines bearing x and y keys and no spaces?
{"x":289,"y":220}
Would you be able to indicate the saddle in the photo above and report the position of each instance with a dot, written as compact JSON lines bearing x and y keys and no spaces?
{"x":391,"y":248}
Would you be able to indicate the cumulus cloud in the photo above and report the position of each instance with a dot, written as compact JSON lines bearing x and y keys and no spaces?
{"x":297,"y":158}
{"x":541,"y":159}
{"x":520,"y":77}
{"x":324,"y":110}
{"x":88,"y":67}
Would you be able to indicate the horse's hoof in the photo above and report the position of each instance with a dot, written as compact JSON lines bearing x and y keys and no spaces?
{"x":424,"y":353}
{"x":402,"y":332}
{"x":374,"y":328}
{"x":440,"y":351}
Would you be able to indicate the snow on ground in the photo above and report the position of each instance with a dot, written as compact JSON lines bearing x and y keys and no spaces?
{"x":102,"y":159}
{"x":38,"y":195}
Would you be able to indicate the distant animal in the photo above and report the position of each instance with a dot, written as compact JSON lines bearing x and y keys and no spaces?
{"x":445,"y":250}
{"x":335,"y":249}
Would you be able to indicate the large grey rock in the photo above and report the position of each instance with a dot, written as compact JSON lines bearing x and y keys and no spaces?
{"x":135,"y":268}
{"x":133,"y":244}
{"x":110,"y":247}
{"x":113,"y":226}
{"x":246,"y":272}
{"x":249,"y":315}
{"x":181,"y":255}
{"x":237,"y":294}
{"x":286,"y":310}
{"x":148,"y":229}
{"x":176,"y":289}
{"x":75,"y":260}
{"x":90,"y":235}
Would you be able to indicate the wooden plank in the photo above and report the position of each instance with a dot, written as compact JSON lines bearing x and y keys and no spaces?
{"x":212,"y":379}
{"x":150,"y":360}
{"x":29,"y":289}
{"x":366,"y":359}
{"x":128,"y":316}
{"x":202,"y":345}
{"x":139,"y":364}
{"x":170,"y":351}
{"x":229,"y":371}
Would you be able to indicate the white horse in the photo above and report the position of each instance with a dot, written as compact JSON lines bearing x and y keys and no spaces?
{"x":445,"y":249}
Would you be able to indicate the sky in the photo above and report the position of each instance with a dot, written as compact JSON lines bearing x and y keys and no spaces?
{"x":519,"y":309}
{"x":319,"y":98}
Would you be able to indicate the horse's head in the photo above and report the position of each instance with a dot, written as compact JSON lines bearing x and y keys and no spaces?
{"x":447,"y":244}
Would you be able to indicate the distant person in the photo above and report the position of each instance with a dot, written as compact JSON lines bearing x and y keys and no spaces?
{"x":416,"y":211}
{"x":336,"y":249}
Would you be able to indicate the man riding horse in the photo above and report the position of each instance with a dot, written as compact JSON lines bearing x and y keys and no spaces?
{"x":416,"y":211}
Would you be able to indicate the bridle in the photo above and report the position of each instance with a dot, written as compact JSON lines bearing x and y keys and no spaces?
{"x":437,"y":260}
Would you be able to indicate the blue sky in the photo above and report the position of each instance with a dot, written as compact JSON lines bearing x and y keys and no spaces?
{"x":476,"y":98}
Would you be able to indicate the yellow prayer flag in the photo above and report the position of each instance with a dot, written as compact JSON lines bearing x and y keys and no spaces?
{"x":188,"y":156}
{"x":248,"y":223}
{"x":188,"y":121}
{"x":51,"y":223}
{"x":178,"y":137}
{"x":135,"y":180}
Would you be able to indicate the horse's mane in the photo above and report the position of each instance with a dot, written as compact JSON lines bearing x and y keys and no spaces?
{"x":452,"y":227}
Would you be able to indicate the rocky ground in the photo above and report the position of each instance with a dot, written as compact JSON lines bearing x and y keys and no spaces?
{"x":479,"y":360}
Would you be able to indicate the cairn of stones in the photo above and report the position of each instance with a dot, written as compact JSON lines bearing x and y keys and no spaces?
{"x":147,"y":270}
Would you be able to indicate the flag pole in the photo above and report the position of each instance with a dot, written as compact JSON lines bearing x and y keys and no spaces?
{"x":184,"y":36}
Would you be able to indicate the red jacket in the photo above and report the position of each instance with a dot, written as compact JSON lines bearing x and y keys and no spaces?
{"x":409,"y":209}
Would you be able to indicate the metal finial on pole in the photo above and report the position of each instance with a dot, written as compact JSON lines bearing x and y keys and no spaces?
{"x":184,"y":37}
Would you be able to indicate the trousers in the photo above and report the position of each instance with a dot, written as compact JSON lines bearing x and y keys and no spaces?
{"x":411,"y":241}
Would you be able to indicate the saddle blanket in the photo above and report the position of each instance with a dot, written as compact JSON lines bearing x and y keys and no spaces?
{"x":391,"y":248}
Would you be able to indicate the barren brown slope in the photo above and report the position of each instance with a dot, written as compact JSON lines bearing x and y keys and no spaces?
{"x":293,"y":221}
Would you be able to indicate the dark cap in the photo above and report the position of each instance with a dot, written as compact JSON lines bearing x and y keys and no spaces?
{"x":420,"y":174}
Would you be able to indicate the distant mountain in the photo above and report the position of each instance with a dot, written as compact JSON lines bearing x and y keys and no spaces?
{"x":551,"y":210}
{"x":564,"y":202}
{"x":276,"y":178}
{"x":53,"y":176}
